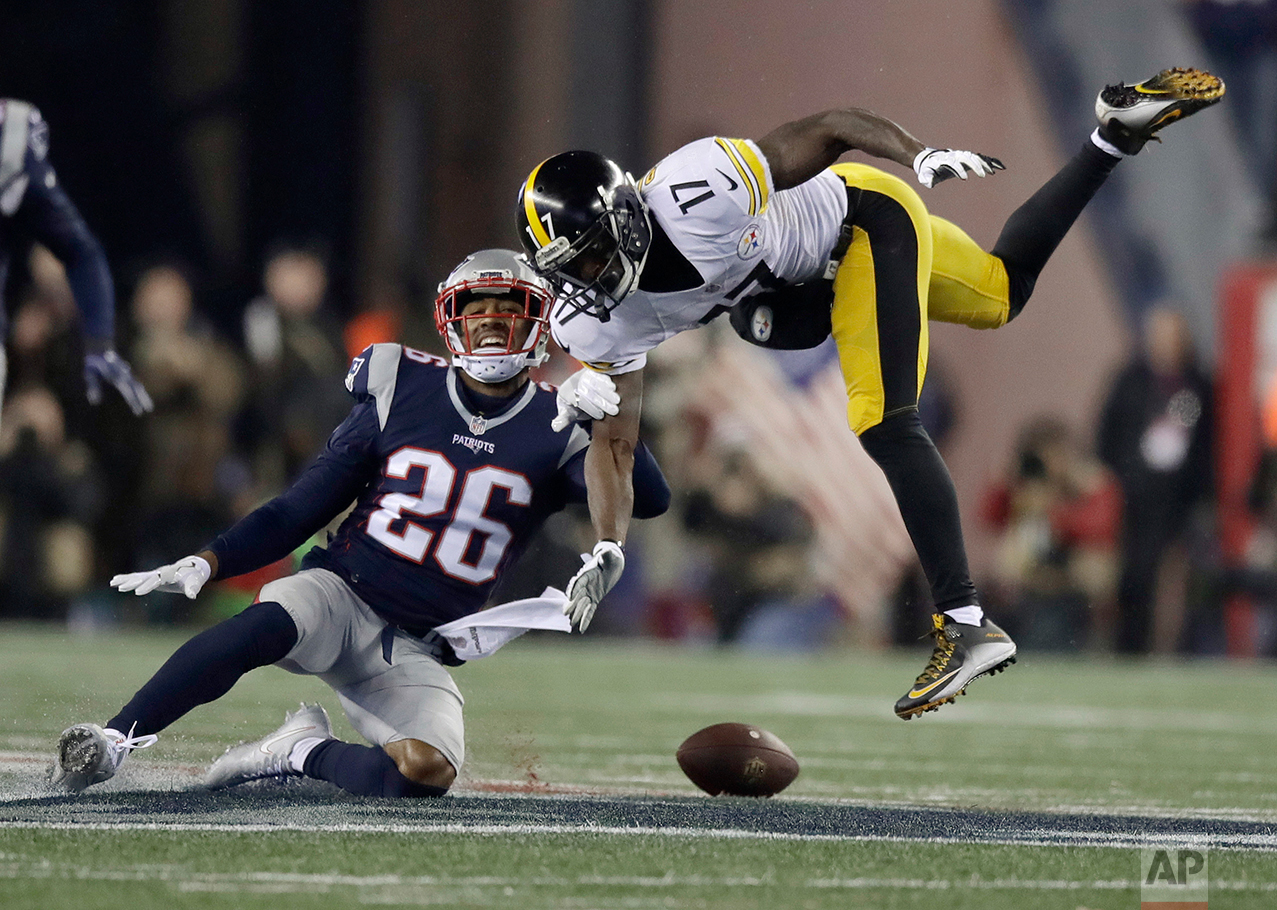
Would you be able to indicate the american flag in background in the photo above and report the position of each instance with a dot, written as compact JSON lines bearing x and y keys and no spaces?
{"x":799,"y":438}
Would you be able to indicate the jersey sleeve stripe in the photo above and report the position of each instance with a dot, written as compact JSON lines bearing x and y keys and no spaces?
{"x":744,"y":175}
{"x":618,"y":367}
{"x":383,"y":376}
{"x":13,"y":140}
{"x":578,"y":439}
{"x":535,"y":224}
{"x":756,"y":169}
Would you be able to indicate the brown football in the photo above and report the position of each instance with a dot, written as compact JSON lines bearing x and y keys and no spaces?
{"x":737,"y":759}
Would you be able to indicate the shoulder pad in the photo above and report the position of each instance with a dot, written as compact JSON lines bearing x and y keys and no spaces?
{"x":709,"y":178}
{"x":753,"y":173}
{"x":423,"y":357}
{"x":22,"y":131}
{"x":373,"y":374}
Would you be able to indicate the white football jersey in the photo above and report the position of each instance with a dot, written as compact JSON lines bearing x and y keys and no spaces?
{"x":714,"y":199}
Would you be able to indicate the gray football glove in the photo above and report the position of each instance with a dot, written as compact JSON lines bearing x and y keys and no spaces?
{"x":585,"y":395}
{"x":186,"y":576}
{"x":602,"y":570}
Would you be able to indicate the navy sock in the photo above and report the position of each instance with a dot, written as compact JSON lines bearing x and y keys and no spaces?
{"x":1036,"y":228}
{"x":205,"y":668}
{"x":363,"y":770}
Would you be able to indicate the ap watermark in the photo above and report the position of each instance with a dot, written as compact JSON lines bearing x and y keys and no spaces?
{"x":1174,"y":879}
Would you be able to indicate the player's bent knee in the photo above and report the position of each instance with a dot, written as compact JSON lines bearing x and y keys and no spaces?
{"x":422,"y":763}
{"x":886,"y":437}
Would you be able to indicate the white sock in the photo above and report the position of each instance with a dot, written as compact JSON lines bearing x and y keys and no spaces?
{"x":1105,"y":146}
{"x":303,"y":748}
{"x":970,"y":615}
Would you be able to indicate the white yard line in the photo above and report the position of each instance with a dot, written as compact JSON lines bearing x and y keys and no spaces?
{"x":1038,"y":837}
{"x":302,"y":881}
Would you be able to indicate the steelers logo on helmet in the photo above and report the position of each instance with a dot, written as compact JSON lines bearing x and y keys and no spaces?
{"x":585,"y":228}
{"x":494,"y":341}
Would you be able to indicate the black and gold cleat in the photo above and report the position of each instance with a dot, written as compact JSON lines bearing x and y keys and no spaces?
{"x":962,"y":653}
{"x":1130,"y":115}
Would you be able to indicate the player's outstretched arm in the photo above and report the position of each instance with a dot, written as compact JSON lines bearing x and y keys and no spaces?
{"x":609,"y":481}
{"x":609,"y":462}
{"x":52,"y":218}
{"x":800,"y":150}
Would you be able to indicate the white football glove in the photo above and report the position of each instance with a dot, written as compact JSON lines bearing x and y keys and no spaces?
{"x":184,"y":577}
{"x":602,"y":570}
{"x":937,"y":165}
{"x":585,"y":395}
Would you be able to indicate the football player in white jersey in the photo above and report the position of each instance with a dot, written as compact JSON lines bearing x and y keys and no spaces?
{"x":733,"y":225}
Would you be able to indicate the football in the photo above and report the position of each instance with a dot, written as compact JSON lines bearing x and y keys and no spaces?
{"x":737,"y":759}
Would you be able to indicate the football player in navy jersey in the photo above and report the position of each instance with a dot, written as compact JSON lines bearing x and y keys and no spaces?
{"x":451,"y":469}
{"x":33,"y":206}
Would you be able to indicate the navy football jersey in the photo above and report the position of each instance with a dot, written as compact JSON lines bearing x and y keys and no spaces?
{"x":446,"y":497}
{"x":33,"y":206}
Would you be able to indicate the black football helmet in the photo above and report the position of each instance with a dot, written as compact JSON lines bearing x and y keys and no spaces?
{"x":585,"y":229}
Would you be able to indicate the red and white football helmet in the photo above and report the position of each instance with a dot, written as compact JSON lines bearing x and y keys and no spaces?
{"x":494,"y":273}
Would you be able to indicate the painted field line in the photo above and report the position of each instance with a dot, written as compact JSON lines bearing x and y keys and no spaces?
{"x":1032,"y":838}
{"x":326,"y":880}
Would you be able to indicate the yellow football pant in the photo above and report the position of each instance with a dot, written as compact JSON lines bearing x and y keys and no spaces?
{"x":904,"y":267}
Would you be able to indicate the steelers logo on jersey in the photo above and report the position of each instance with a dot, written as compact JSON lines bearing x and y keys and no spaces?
{"x":751,"y":242}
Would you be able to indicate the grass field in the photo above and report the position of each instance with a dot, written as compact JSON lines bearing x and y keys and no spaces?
{"x":1040,"y":788}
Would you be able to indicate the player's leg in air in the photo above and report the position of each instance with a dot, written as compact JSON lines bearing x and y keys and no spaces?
{"x":880,"y":327}
{"x":964,"y":284}
{"x":310,"y":635}
{"x":986,"y":290}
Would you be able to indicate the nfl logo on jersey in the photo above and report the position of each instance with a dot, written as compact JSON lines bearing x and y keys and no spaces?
{"x":478,"y":425}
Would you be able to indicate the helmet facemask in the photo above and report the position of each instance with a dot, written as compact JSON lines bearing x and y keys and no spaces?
{"x":493,"y":347}
{"x":594,"y":274}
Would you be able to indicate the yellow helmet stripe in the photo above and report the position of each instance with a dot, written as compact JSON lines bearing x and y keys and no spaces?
{"x":535,"y":224}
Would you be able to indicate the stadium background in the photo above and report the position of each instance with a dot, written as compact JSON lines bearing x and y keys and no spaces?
{"x":394,"y":133}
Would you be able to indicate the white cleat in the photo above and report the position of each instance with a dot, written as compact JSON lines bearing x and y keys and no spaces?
{"x":88,"y":754}
{"x":268,"y":756}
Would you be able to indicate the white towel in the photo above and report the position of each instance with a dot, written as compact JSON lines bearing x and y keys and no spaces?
{"x":482,"y":633}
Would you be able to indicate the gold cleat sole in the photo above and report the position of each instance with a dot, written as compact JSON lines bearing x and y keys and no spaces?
{"x":1190,"y":90}
{"x":1183,"y":82}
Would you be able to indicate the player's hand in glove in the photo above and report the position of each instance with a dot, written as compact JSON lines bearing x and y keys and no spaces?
{"x":937,"y":165}
{"x":103,"y":363}
{"x":602,"y":570}
{"x":186,"y":576}
{"x":585,"y":395}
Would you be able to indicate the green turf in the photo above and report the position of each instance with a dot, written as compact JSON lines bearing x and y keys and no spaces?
{"x":1182,"y":739}
{"x":54,"y":869}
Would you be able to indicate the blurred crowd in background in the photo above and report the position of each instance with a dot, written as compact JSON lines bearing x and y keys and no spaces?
{"x":250,"y":119}
{"x":1103,"y":533}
